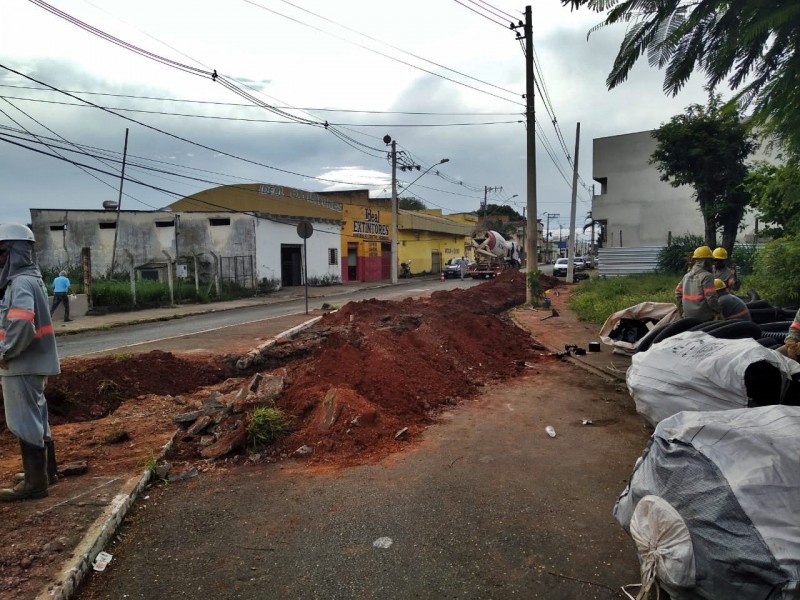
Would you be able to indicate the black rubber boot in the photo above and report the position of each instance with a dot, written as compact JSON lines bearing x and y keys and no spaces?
{"x":52,"y":468}
{"x":34,"y":463}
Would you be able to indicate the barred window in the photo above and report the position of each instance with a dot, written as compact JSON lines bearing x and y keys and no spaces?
{"x":333,"y":256}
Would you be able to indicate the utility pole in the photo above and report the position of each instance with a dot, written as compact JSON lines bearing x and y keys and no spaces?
{"x":547,"y":236}
{"x":593,"y":243}
{"x":388,"y":140}
{"x":571,"y":238}
{"x":530,"y":120}
{"x":119,"y":203}
{"x":486,"y":190}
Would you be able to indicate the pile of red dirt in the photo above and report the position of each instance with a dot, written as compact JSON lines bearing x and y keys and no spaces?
{"x":350,"y":382}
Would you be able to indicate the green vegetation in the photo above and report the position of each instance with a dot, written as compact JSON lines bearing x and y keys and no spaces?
{"x":537,"y":293}
{"x":776,"y":272}
{"x":267,"y":424}
{"x":596,"y":299}
{"x":674,"y":259}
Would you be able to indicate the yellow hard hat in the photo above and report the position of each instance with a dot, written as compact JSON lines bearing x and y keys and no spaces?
{"x":719,"y":284}
{"x":702,"y":252}
{"x":720,"y":254}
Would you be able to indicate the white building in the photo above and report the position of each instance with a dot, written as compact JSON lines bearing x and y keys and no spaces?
{"x":634,"y":206}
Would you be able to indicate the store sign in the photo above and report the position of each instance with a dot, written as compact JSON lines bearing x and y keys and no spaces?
{"x":371,"y":225}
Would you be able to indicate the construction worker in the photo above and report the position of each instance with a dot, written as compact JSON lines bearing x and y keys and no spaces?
{"x":28,"y":356}
{"x":61,"y":289}
{"x":723,"y":271}
{"x":695,"y":294}
{"x":731,"y":307}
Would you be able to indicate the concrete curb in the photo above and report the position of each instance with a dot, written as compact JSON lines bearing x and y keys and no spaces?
{"x":99,"y":535}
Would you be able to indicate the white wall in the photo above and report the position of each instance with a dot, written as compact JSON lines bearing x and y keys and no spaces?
{"x":641,"y":210}
{"x":271,"y":235}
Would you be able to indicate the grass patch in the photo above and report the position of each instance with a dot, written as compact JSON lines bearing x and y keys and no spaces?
{"x":267,"y":424}
{"x":596,"y":299}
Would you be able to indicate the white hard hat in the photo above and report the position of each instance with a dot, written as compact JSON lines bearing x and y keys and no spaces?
{"x":15,"y":231}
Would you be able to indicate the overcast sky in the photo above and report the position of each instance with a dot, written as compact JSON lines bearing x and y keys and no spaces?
{"x":370,"y":66}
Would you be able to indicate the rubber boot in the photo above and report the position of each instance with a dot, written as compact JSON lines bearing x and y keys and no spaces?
{"x":34,"y":463}
{"x":52,"y":468}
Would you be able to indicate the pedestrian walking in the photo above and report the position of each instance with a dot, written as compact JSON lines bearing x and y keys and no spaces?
{"x":730,"y":306}
{"x":722,"y":270}
{"x":462,"y":267}
{"x":28,"y":356}
{"x":695,"y":294}
{"x":61,"y":289}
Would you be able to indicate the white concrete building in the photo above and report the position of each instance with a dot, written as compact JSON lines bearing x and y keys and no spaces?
{"x":635,"y":207}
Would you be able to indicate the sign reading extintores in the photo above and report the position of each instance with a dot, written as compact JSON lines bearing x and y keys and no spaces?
{"x":371,"y":226}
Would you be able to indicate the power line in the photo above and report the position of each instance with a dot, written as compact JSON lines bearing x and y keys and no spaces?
{"x":484,"y":15}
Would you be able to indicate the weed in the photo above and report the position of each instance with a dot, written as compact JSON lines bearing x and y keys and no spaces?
{"x":120,"y":356}
{"x":266,"y":425}
{"x":597,"y":299}
{"x":150,"y":463}
{"x":115,"y":434}
{"x":110,"y":390}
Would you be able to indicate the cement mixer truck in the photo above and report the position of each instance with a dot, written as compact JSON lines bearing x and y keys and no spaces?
{"x":493,"y":254}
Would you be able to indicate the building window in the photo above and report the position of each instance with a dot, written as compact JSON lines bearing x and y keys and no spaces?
{"x":165,"y":223}
{"x":333,"y":256}
{"x":219,"y":222}
{"x":107,"y":225}
{"x":58,"y":227}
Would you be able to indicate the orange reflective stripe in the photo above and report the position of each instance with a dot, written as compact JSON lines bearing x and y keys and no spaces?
{"x":693,"y":296}
{"x":2,"y":334}
{"x":45,"y":330}
{"x":795,"y":325}
{"x":740,"y":314}
{"x":710,"y":290}
{"x":21,"y":313}
{"x":679,"y":288}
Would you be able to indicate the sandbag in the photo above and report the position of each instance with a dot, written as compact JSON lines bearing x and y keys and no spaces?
{"x":712,"y":505}
{"x":696,"y":371}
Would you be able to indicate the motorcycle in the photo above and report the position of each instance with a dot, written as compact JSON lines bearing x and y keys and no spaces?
{"x":405,"y":270}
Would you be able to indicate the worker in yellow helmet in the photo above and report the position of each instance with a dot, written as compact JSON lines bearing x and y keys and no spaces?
{"x":722,"y":270}
{"x":696,"y":295}
{"x":731,"y":307}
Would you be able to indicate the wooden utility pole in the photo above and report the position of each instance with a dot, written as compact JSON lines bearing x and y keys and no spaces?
{"x":119,"y":203}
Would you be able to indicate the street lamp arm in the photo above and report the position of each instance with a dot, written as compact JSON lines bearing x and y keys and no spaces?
{"x":441,"y":162}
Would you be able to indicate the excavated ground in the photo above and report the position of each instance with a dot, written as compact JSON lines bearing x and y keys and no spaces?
{"x":350,"y":385}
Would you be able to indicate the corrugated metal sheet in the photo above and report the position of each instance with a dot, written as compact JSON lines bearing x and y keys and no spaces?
{"x":612,"y":262}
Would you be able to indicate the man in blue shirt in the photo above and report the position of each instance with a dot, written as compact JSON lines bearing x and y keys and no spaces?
{"x":61,"y":294}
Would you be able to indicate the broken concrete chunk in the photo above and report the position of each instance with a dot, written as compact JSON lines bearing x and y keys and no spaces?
{"x":78,"y":467}
{"x":233,"y":440}
{"x":255,"y":382}
{"x":188,"y":417}
{"x":331,"y":409}
{"x":185,"y":474}
{"x":199,"y":425}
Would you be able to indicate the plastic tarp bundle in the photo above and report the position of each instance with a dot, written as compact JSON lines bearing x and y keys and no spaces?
{"x":713,"y":505}
{"x":662,"y":312}
{"x":696,"y":371}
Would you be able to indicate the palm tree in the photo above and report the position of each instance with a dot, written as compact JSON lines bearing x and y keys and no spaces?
{"x":751,"y":43}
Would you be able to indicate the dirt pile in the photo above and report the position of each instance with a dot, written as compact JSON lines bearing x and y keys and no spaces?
{"x":349,"y":383}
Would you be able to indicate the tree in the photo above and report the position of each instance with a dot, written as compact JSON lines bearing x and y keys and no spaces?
{"x":411,"y":203}
{"x":499,"y":210}
{"x":706,"y":148}
{"x":773,"y":190}
{"x":751,"y":43}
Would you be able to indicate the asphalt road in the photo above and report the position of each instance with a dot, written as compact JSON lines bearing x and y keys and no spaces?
{"x":250,"y":325}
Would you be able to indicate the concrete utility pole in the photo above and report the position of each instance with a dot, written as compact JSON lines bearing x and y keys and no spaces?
{"x":530,"y":119}
{"x":486,"y":190}
{"x":388,"y":140}
{"x":571,"y":243}
{"x":547,"y":235}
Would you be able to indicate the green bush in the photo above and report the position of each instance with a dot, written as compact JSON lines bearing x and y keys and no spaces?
{"x":776,"y":271}
{"x":743,"y":257}
{"x":266,"y":425}
{"x":597,"y":299}
{"x":675,"y":257}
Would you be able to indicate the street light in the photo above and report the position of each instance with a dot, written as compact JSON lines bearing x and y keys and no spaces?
{"x":387,"y":139}
{"x":441,"y":162}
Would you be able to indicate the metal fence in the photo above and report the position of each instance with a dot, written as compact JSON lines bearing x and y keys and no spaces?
{"x":238,"y":270}
{"x":612,"y":262}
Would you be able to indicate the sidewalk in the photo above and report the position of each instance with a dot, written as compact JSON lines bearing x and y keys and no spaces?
{"x":80,"y":324}
{"x":92,"y":507}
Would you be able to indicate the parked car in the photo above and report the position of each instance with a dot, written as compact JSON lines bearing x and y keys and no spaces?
{"x":589,"y":260}
{"x":560,"y":267}
{"x":578,"y":263}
